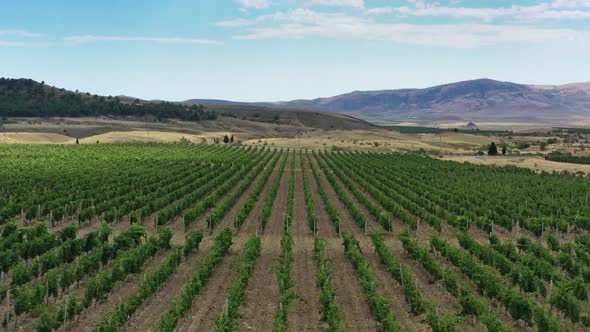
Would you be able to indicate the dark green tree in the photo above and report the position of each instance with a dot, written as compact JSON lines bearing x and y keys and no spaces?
{"x":493,"y":150}
{"x":225,"y":139}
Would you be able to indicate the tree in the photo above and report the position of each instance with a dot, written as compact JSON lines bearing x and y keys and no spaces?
{"x":504,"y":150}
{"x":231,"y":140}
{"x":77,"y":141}
{"x":225,"y":139}
{"x":493,"y":150}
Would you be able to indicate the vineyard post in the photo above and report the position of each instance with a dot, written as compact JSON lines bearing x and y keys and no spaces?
{"x":258,"y":226}
{"x":66,"y":312}
{"x":315,"y":231}
{"x":7,"y":309}
{"x":550,"y":290}
{"x":78,"y":212}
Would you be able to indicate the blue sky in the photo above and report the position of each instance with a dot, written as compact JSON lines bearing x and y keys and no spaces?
{"x":263,"y":50}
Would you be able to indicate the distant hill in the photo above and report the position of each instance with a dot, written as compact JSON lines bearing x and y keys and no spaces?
{"x":28,"y":98}
{"x":30,"y":106}
{"x":477,"y":100}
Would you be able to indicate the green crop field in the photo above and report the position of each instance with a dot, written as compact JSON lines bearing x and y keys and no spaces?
{"x":184,"y":237}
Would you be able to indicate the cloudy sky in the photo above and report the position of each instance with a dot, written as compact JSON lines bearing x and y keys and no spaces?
{"x":259,"y":50}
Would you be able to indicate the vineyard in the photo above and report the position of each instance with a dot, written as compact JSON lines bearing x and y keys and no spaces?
{"x":184,"y":237}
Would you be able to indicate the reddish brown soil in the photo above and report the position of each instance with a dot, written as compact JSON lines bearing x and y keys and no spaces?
{"x":147,"y":317}
{"x":95,"y":313}
{"x":386,"y":285}
{"x":356,"y":313}
{"x":303,"y":314}
{"x":262,"y":294}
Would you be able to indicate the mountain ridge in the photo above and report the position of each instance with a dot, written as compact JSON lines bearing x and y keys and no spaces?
{"x":480,"y":99}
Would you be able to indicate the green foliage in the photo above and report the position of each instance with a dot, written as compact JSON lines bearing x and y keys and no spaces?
{"x":202,"y":275}
{"x":566,"y":158}
{"x":192,"y":241}
{"x":401,"y":274}
{"x":252,"y":199}
{"x":330,"y":207}
{"x":283,"y":272}
{"x":269,"y":200}
{"x":472,"y":304}
{"x":330,"y":312}
{"x":219,"y":212}
{"x":228,"y":322}
{"x":377,"y":302}
{"x":219,"y":191}
{"x":27,"y":98}
{"x":309,"y":204}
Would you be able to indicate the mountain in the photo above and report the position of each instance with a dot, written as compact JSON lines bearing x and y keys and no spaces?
{"x":477,"y":100}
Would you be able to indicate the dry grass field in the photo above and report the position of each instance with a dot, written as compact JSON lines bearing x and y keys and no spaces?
{"x":296,"y":129}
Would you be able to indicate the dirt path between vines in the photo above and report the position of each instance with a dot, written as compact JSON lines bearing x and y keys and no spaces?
{"x":304,"y":312}
{"x":94,"y":314}
{"x":209,"y":303}
{"x":148,"y":315}
{"x":356,"y":313}
{"x":262,"y":294}
{"x":385,"y":283}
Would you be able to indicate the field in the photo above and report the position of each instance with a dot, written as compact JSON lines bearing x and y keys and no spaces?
{"x":196,"y":237}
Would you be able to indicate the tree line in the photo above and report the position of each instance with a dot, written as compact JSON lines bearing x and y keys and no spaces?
{"x":27,"y":98}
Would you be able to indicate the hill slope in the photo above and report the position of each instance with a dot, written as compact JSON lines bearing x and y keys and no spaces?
{"x":35,"y":108}
{"x":478,"y":100}
{"x":28,"y":98}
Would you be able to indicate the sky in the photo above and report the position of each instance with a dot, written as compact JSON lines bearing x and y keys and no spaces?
{"x":271,"y":50}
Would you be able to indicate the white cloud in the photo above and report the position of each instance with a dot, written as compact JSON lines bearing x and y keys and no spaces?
{"x":168,"y":40}
{"x":379,"y":11}
{"x":341,"y":3}
{"x":4,"y":43}
{"x":234,"y":23}
{"x":255,"y":3}
{"x":570,"y":4}
{"x":303,"y":23}
{"x":556,"y":10}
{"x":19,"y":33}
